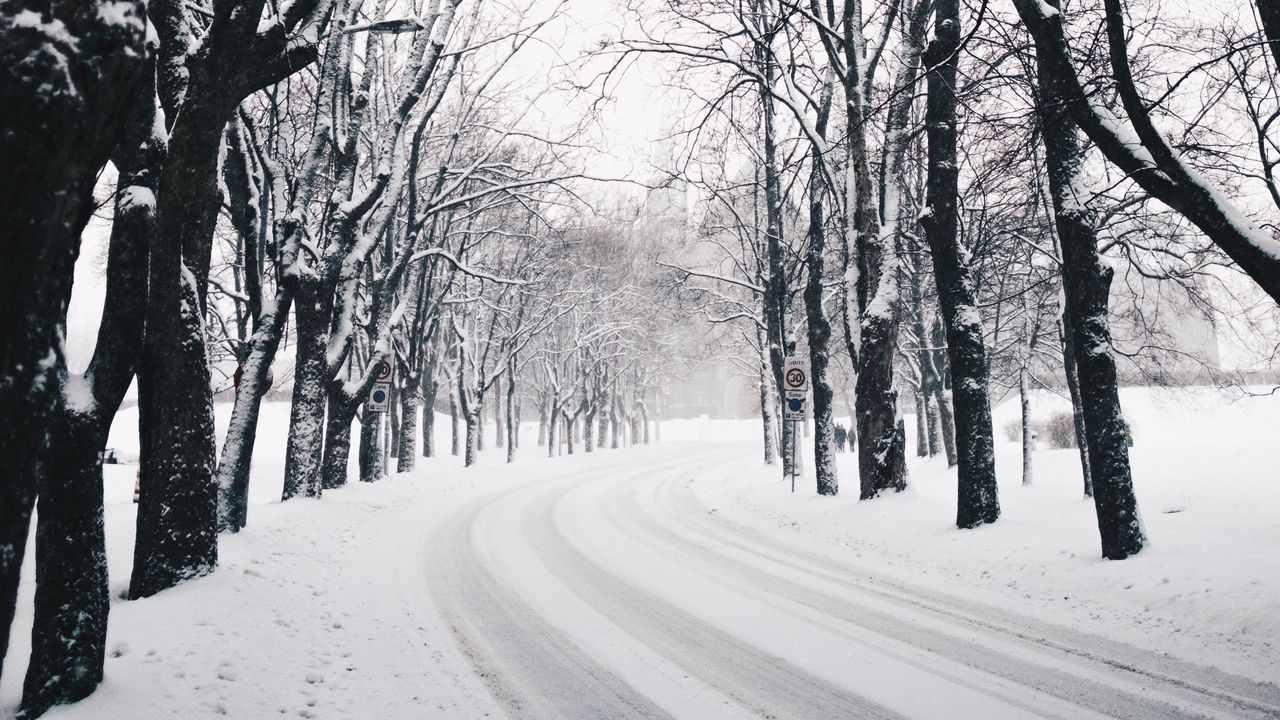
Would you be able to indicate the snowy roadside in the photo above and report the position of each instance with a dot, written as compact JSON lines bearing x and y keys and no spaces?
{"x":318,"y":609}
{"x":1207,"y":589}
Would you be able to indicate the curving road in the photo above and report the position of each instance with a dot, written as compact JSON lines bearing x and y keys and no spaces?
{"x":610,"y":594}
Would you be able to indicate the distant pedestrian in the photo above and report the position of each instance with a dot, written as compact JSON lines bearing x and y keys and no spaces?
{"x":841,"y":436}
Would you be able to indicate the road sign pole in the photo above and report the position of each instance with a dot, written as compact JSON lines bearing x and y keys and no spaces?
{"x":794,"y":443}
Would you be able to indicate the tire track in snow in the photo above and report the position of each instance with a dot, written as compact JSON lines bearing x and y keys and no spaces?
{"x":1108,"y":677}
{"x":534,"y":668}
{"x":762,"y":684}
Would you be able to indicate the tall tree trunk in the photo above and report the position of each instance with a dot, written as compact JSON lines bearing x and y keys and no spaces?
{"x":978,"y":501}
{"x":429,"y":420}
{"x":1077,"y":404}
{"x":337,"y":439}
{"x":1086,"y":285}
{"x":237,"y":449}
{"x":513,"y":425}
{"x":392,"y":430}
{"x":410,"y":399}
{"x":819,"y":328}
{"x":69,"y":632}
{"x":455,"y":446}
{"x":1024,"y":397}
{"x":542,"y":424}
{"x":313,"y":311}
{"x":474,"y":430}
{"x":499,"y":431}
{"x":178,"y":504}
{"x":553,"y":443}
{"x":371,"y":446}
{"x":942,"y":394}
{"x":67,"y":110}
{"x":922,"y":430}
{"x":775,"y":294}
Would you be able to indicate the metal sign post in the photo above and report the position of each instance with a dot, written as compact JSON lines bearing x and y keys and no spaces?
{"x":795,"y":406}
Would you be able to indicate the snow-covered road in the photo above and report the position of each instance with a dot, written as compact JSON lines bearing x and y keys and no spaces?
{"x":609,"y":593}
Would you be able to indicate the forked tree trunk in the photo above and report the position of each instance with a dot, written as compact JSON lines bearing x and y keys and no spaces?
{"x":69,"y":631}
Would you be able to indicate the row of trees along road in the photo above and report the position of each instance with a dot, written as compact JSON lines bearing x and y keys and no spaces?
{"x":352,"y":181}
{"x":948,"y":190}
{"x":934,"y":199}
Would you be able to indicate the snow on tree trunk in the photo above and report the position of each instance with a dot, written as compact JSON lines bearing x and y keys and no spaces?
{"x":922,"y":431}
{"x":178,"y":505}
{"x":978,"y":500}
{"x":946,"y":423}
{"x":69,"y":630}
{"x":455,"y":446}
{"x":410,"y":399}
{"x":337,"y":442}
{"x":474,"y":430}
{"x":542,"y":424}
{"x":313,"y":310}
{"x":775,"y":294}
{"x":768,"y":408}
{"x":371,"y":432}
{"x":1086,"y":286}
{"x":67,"y":87}
{"x":237,"y":448}
{"x":818,"y":327}
{"x":499,"y":430}
{"x":428,"y":430}
{"x":1077,"y":404}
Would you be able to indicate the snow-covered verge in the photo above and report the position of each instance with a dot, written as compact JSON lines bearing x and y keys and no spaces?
{"x":1207,"y":475}
{"x":318,"y":609}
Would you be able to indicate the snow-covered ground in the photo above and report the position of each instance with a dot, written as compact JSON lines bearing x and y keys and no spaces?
{"x":683,"y":579}
{"x":1206,"y":468}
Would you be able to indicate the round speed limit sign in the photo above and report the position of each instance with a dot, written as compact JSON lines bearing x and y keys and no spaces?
{"x":795,"y":378}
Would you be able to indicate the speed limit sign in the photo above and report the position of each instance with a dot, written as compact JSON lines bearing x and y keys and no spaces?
{"x":383,"y":372}
{"x":795,"y":376}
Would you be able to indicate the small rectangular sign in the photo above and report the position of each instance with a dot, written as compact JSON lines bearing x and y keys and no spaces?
{"x":379,"y":397}
{"x":795,"y":408}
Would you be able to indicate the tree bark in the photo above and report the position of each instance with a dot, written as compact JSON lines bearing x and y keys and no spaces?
{"x":371,"y":446}
{"x":818,"y":327}
{"x":1086,"y":285}
{"x":410,"y":399}
{"x":1077,"y":404}
{"x":978,"y":500}
{"x":67,"y":109}
{"x":237,"y":449}
{"x":68,"y":638}
{"x":1024,"y":397}
{"x":337,"y":439}
{"x":313,"y":311}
